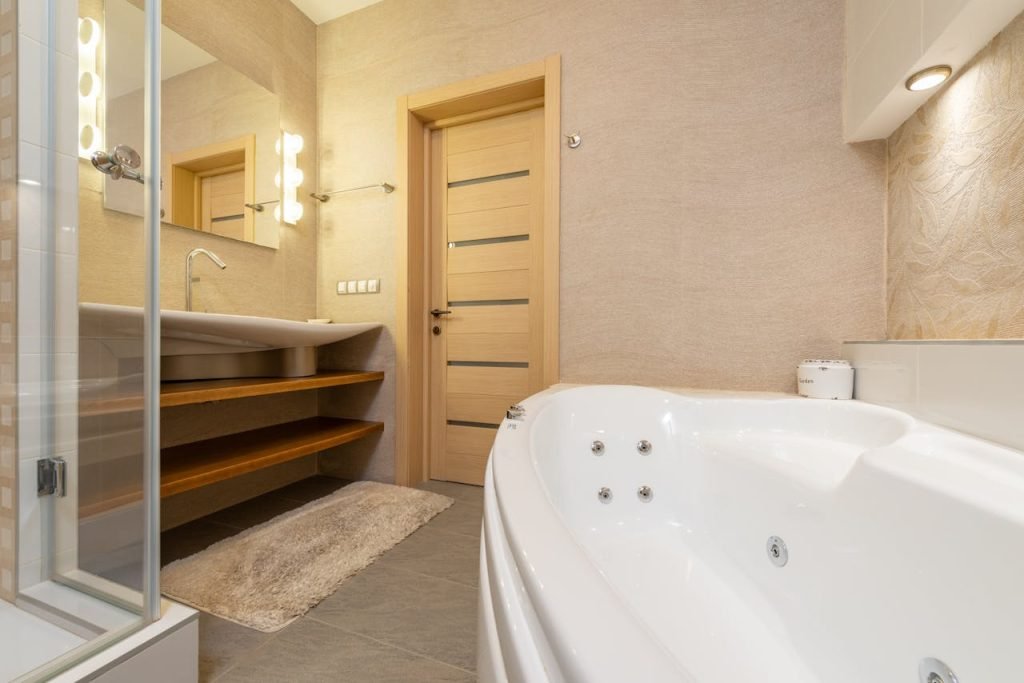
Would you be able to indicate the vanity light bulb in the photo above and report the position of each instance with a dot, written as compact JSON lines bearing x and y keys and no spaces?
{"x":277,"y":213}
{"x":295,"y":177}
{"x":88,"y":32}
{"x":277,"y":147}
{"x":293,"y":213}
{"x":277,"y":180}
{"x":293,"y":144}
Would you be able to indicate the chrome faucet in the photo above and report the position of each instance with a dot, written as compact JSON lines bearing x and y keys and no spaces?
{"x":188,"y":271}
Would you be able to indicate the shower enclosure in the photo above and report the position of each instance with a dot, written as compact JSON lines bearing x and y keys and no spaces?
{"x":79,"y":411}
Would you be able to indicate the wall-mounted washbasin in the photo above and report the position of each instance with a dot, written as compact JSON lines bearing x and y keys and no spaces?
{"x":213,"y":345}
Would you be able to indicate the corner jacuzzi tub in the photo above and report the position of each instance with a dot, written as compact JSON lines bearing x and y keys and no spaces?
{"x":767,"y":540}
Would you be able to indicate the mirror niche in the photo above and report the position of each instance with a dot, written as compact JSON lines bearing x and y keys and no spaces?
{"x":218,"y":140}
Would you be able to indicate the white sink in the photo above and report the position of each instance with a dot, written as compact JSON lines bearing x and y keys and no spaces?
{"x":214,"y":345}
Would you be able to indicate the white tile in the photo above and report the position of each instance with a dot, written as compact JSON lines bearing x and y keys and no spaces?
{"x":30,"y":408}
{"x":66,"y":406}
{"x":885,"y":374}
{"x":66,"y":107}
{"x":67,"y":27}
{"x":65,"y":325}
{"x":31,"y":179}
{"x":32,"y":91}
{"x":32,"y":17}
{"x":29,"y":524}
{"x":975,"y":388}
{"x":66,"y":192}
{"x":30,"y":284}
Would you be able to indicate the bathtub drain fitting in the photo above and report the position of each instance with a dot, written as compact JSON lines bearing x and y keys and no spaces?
{"x":597,"y":448}
{"x":645,"y":494}
{"x":643,"y":447}
{"x":604,"y":494}
{"x":778,"y":553}
{"x":932,"y":670}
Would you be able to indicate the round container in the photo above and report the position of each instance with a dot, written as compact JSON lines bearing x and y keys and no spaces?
{"x":825,"y":379}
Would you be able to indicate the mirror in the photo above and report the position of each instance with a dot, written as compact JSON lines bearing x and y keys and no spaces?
{"x":218,"y":139}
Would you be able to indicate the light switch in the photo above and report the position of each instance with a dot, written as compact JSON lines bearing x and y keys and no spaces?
{"x":361,"y":286}
{"x":342,"y":287}
{"x":373,"y":285}
{"x":351,"y":286}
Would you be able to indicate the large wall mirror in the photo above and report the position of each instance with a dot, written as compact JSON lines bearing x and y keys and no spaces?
{"x":218,"y":140}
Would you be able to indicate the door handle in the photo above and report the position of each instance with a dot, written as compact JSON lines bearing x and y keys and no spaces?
{"x":437,"y":313}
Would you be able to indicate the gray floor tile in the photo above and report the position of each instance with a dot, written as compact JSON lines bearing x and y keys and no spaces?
{"x":308,"y":490}
{"x":254,"y":511}
{"x":471,"y":494}
{"x":309,"y":651}
{"x":190,"y":538}
{"x":223,"y":644}
{"x":428,"y":616}
{"x":461,"y":518}
{"x":444,"y":555}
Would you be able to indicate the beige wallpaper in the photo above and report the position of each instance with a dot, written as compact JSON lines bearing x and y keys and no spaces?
{"x":715,"y":229}
{"x":956,"y":205}
{"x":274,"y":44}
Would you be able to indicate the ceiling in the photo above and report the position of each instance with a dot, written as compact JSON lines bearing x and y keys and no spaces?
{"x":321,"y":11}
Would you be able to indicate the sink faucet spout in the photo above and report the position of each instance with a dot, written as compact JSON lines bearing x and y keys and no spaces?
{"x":188,"y":271}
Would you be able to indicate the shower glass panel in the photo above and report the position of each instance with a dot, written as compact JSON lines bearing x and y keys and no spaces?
{"x":78,"y":387}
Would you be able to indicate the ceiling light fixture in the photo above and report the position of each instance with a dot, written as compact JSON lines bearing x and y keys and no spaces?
{"x":926,"y":79}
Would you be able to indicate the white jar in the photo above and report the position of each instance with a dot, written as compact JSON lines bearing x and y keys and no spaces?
{"x":825,"y":379}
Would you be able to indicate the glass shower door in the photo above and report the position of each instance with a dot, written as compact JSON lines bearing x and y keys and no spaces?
{"x":87,"y":357}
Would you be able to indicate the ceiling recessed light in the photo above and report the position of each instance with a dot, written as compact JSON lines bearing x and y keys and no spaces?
{"x":926,"y":79}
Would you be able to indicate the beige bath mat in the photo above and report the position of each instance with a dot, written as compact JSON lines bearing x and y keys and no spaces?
{"x":271,"y":574}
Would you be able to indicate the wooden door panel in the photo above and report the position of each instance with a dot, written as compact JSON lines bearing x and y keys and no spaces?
{"x":480,"y":225}
{"x":503,"y":285}
{"x":489,"y":258}
{"x":514,"y":318}
{"x":497,"y":194}
{"x":489,"y":348}
{"x":486,"y":356}
{"x":489,"y":133}
{"x":479,"y":408}
{"x":488,"y":162}
{"x":489,"y":381}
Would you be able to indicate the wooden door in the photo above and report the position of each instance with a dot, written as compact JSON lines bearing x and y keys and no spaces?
{"x":486,"y":272}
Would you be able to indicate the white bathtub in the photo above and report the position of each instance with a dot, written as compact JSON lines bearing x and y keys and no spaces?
{"x":904,"y":542}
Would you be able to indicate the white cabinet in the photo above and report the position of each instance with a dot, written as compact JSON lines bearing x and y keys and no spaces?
{"x":889,"y":40}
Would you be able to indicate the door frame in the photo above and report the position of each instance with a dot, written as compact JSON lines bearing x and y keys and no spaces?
{"x":506,"y":92}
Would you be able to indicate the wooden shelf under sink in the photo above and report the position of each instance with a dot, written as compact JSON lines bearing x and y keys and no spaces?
{"x":192,"y":465}
{"x":173,"y":394}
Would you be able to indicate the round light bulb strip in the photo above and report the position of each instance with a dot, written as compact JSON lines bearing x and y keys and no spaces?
{"x":289,"y":178}
{"x":90,"y":86}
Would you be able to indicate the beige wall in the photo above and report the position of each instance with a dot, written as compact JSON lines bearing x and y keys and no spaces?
{"x":274,"y":44}
{"x":956,"y":205}
{"x":715,"y":229}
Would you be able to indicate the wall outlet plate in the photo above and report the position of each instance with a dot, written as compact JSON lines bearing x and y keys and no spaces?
{"x":342,"y":287}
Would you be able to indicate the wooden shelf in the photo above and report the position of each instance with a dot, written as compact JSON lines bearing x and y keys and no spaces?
{"x":173,"y":394}
{"x":186,"y":393}
{"x":193,"y":465}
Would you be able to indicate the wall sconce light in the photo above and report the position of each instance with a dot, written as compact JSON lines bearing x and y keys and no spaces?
{"x":289,"y":179}
{"x":929,"y":78}
{"x":90,"y":138}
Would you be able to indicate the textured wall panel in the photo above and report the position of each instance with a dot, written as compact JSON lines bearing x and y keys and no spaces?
{"x":956,"y":205}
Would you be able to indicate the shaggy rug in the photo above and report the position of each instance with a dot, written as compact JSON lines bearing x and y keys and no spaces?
{"x":271,"y":574}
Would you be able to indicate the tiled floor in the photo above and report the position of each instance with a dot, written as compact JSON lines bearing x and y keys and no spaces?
{"x":410,"y":616}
